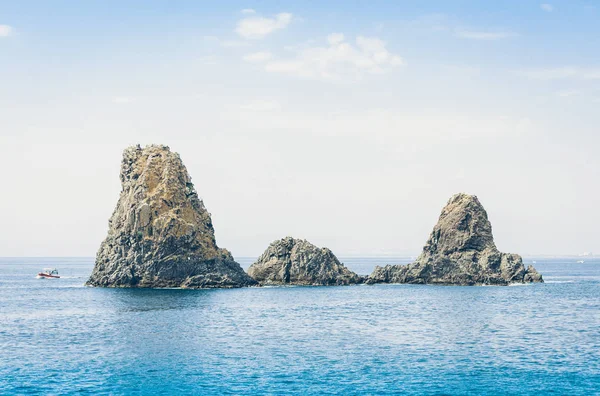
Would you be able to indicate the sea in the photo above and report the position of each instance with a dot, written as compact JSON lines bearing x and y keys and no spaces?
{"x":58,"y":337}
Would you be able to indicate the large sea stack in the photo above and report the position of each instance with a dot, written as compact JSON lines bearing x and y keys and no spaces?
{"x":460,"y":251}
{"x":160,"y":234}
{"x":290,"y":261}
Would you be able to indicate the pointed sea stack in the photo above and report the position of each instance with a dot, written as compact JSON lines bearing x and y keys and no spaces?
{"x":290,"y":261}
{"x":460,"y":251}
{"x":160,"y":234}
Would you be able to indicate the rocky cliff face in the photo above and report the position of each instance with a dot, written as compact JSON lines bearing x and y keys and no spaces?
{"x":460,"y":251}
{"x":160,"y":234}
{"x":292,"y":261}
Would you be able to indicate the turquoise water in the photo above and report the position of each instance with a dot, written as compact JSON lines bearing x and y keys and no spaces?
{"x":57,"y":337}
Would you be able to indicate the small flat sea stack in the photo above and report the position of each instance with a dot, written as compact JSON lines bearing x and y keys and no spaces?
{"x":160,"y":234}
{"x":292,"y":261}
{"x":460,"y":251}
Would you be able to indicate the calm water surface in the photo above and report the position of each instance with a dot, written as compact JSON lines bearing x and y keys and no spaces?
{"x":58,"y":337}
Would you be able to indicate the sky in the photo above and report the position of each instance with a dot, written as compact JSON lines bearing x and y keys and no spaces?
{"x":347,"y":123}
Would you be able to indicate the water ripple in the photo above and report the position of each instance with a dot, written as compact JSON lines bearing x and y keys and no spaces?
{"x":60,"y":338}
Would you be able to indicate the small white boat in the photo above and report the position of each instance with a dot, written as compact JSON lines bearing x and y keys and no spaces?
{"x":48,"y":273}
{"x":580,"y":262}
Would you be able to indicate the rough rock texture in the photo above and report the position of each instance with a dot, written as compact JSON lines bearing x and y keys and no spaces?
{"x":460,"y":251}
{"x":160,"y":234}
{"x":292,"y":261}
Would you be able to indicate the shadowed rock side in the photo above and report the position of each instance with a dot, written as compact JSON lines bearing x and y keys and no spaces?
{"x":160,"y":234}
{"x":292,"y":261}
{"x":460,"y":251}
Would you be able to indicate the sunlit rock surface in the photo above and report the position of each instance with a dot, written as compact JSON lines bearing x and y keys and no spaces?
{"x":290,"y":261}
{"x":460,"y":251}
{"x":160,"y":234}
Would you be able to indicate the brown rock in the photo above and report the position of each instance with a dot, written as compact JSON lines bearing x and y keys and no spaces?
{"x":460,"y":251}
{"x":290,"y":261}
{"x":160,"y":234}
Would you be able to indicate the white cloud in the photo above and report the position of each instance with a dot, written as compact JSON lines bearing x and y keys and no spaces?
{"x":258,"y":27}
{"x":592,"y":74}
{"x":261,"y":106}
{"x":388,"y":127}
{"x":339,"y":61}
{"x":208,"y":60}
{"x":248,"y":11}
{"x":547,"y":7}
{"x":5,"y":30}
{"x":557,"y":73}
{"x":233,"y":43}
{"x":568,"y":93}
{"x":335,"y":38}
{"x":482,"y":35}
{"x":122,"y":100}
{"x":257,"y":57}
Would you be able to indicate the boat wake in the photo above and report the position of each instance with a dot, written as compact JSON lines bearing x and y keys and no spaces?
{"x":558,"y":281}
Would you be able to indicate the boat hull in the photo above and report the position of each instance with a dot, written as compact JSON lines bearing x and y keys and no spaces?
{"x":46,"y":276}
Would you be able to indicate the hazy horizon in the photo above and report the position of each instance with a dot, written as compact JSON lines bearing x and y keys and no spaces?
{"x":347,"y":124}
{"x":343,"y":256}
